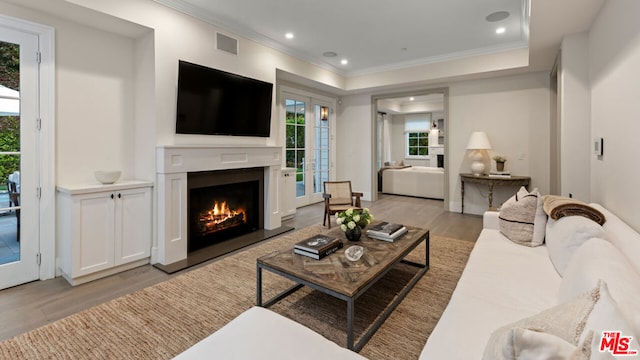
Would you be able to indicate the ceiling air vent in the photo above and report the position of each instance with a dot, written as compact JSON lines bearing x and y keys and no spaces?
{"x":226,"y":43}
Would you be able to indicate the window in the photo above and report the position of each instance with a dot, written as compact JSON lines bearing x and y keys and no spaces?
{"x":416,"y":130}
{"x":417,"y":144}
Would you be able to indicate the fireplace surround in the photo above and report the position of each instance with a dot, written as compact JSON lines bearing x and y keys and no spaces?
{"x":175,"y":162}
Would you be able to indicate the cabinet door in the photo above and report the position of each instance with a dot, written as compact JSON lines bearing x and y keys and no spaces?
{"x":93,"y":238}
{"x":132,"y":225}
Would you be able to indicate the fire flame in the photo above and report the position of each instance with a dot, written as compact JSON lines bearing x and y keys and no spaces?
{"x":222,"y":211}
{"x":221,"y":216}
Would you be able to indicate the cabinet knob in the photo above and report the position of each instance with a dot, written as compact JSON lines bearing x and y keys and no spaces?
{"x":112,"y":196}
{"x":119,"y":195}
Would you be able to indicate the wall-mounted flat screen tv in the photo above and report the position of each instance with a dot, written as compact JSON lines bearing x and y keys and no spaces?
{"x":215,"y":102}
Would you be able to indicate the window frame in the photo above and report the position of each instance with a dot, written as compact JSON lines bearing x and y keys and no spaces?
{"x":407,"y":146}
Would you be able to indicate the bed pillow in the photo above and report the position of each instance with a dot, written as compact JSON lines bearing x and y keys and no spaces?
{"x":565,"y":235}
{"x":599,"y":259}
{"x":517,"y":218}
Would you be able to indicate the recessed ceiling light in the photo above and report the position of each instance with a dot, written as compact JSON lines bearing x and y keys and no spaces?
{"x":497,"y":16}
{"x":344,"y":61}
{"x":411,"y":98}
{"x":288,"y":35}
{"x":329,"y":54}
{"x":501,"y":30}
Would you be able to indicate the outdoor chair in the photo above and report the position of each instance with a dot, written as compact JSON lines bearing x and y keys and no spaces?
{"x":14,"y":200}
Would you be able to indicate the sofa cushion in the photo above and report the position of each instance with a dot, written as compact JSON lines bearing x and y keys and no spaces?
{"x":622,"y":236}
{"x":571,"y":321}
{"x":599,"y":259}
{"x":518,"y":216}
{"x":565,"y":235}
{"x":259,"y":333}
{"x":501,"y":283}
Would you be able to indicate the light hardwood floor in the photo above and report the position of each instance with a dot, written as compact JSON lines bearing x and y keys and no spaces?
{"x":32,"y":305}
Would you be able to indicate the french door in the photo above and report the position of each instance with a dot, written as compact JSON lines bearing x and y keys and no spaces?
{"x":308,"y":143}
{"x":19,"y":107}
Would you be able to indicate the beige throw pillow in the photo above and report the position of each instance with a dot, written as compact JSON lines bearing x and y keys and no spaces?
{"x":518,"y":217}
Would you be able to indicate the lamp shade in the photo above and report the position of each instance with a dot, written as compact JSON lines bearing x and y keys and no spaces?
{"x":478,"y":141}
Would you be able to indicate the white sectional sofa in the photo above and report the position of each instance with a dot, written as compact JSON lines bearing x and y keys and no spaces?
{"x":503,"y":283}
{"x":420,"y":181}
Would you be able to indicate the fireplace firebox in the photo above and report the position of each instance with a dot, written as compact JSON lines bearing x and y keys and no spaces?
{"x":223,"y":205}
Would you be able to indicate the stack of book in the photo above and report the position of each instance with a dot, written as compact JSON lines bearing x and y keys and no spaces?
{"x":500,"y":174}
{"x":386,"y":231}
{"x":317,"y":246}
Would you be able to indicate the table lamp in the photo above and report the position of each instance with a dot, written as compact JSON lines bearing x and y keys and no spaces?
{"x":478,"y":142}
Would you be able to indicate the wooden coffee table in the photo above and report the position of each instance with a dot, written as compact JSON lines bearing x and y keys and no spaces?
{"x":344,"y":279}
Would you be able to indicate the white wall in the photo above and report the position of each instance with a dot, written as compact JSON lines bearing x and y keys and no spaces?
{"x":575,"y":114}
{"x":354,"y":147}
{"x":514,"y":112}
{"x":398,"y":149}
{"x":195,"y":42}
{"x":95,"y":97}
{"x":614,"y":56}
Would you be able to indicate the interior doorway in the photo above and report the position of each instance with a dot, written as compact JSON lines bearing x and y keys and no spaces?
{"x":411,"y":130}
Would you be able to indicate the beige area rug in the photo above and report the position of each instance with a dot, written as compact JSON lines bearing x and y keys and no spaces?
{"x":165,"y":319}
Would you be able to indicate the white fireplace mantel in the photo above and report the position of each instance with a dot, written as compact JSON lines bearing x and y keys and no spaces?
{"x":173,"y":164}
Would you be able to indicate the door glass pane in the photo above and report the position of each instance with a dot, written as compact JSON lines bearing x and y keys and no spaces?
{"x":321,"y":151}
{"x":295,"y":141}
{"x":9,"y":152}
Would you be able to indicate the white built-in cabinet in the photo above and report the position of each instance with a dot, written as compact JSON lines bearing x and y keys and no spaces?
{"x":103,"y":229}
{"x":288,"y":193}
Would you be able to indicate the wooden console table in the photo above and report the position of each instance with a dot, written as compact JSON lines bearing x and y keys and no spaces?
{"x":491,"y":181}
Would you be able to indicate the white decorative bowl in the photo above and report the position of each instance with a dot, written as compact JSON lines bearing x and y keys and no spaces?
{"x":107,"y":177}
{"x":354,"y":253}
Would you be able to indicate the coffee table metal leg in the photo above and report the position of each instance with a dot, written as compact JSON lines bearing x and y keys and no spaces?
{"x":350,"y":303}
{"x":259,"y":286}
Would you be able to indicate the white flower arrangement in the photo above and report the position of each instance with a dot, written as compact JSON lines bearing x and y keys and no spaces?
{"x":351,"y":218}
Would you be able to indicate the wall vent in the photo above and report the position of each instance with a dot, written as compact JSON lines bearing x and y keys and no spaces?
{"x":226,"y":43}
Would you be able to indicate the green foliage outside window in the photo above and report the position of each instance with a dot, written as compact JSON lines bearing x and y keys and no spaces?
{"x":418,"y":144}
{"x":9,"y":125}
{"x":294,"y":138}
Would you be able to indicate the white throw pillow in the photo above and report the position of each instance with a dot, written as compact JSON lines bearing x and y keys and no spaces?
{"x":581,"y":320}
{"x":565,"y":235}
{"x":529,"y":344}
{"x":606,"y":316}
{"x":599,"y":259}
{"x":540,"y":221}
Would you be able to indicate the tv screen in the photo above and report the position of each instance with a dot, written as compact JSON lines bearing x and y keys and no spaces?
{"x":215,"y":102}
